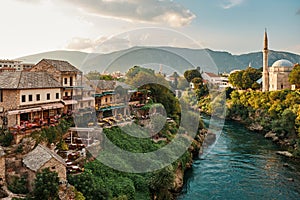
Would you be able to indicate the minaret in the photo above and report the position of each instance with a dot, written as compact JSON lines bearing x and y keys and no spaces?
{"x":265,"y":76}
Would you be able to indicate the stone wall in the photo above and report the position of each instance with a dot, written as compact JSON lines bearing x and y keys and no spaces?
{"x":11,"y":99}
{"x":43,"y":66}
{"x":55,"y":165}
{"x":2,"y":169}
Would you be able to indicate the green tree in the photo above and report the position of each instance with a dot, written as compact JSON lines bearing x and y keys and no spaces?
{"x":46,"y":185}
{"x":245,"y":79}
{"x":294,"y":77}
{"x":132,"y":72}
{"x":6,"y":138}
{"x":198,"y":82}
{"x":161,"y":182}
{"x":189,"y":75}
{"x":93,"y":75}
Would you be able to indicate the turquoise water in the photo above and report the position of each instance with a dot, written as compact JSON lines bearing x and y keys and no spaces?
{"x":242,"y":165}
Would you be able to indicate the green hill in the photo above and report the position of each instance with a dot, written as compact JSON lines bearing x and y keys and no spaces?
{"x":170,"y":59}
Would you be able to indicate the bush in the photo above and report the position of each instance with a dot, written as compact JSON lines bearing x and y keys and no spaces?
{"x":46,"y":185}
{"x":18,"y":185}
{"x":6,"y":138}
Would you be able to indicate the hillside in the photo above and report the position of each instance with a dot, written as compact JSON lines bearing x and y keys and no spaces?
{"x":170,"y":58}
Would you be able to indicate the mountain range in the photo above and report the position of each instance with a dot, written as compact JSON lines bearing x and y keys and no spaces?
{"x":167,"y":59}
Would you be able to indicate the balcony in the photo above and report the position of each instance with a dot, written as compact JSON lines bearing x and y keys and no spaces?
{"x":74,"y":97}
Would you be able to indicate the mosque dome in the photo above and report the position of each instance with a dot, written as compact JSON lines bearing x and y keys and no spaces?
{"x":283,"y":63}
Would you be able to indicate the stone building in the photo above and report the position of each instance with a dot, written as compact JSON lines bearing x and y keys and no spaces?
{"x":41,"y":158}
{"x":28,"y":97}
{"x":275,"y":77}
{"x":15,"y":64}
{"x":71,"y":80}
{"x":36,"y":96}
{"x":108,"y":102}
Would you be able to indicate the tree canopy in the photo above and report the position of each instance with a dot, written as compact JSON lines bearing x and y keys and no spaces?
{"x":245,"y":79}
{"x":158,"y":87}
{"x":189,"y":75}
{"x":94,"y":75}
{"x":46,"y":185}
{"x":294,"y":77}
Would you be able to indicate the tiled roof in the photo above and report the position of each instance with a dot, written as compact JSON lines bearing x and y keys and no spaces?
{"x":211,"y":74}
{"x":104,"y":84}
{"x":61,"y":65}
{"x":124,"y":85}
{"x":27,"y":80}
{"x":35,"y":159}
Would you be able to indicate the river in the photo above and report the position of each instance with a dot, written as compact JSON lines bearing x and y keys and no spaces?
{"x":242,"y":165}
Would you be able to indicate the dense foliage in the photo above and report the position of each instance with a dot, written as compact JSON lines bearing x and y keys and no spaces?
{"x":6,"y":138}
{"x":189,"y":75}
{"x":294,"y":77}
{"x":158,"y":88}
{"x":46,"y":185}
{"x":53,"y":134}
{"x":245,"y":79}
{"x":102,"y":182}
{"x":18,"y":185}
{"x":94,"y":75}
{"x":277,"y":111}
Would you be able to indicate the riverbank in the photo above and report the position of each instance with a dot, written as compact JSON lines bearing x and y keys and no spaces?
{"x":274,"y":114}
{"x":242,"y":165}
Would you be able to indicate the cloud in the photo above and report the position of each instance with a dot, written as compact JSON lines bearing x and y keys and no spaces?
{"x":149,"y":11}
{"x":298,"y":12}
{"x":101,"y":45}
{"x":232,"y":3}
{"x":78,"y":43}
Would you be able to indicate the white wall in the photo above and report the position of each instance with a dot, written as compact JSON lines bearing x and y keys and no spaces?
{"x":68,"y":80}
{"x":43,"y":96}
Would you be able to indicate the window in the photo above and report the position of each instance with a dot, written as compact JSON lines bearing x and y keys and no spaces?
{"x":71,"y":81}
{"x":57,"y":96}
{"x":48,"y":96}
{"x":66,"y":81}
{"x":38,"y":97}
{"x":105,"y":100}
{"x":66,"y":94}
{"x":89,"y":103}
{"x":30,"y":97}
{"x":81,"y":105}
{"x":23,"y":98}
{"x":281,"y":85}
{"x":110,"y":99}
{"x":1,"y":96}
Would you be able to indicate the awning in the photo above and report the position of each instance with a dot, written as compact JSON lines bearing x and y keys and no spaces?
{"x":111,"y":107}
{"x":28,"y":110}
{"x":69,"y":102}
{"x":52,"y":106}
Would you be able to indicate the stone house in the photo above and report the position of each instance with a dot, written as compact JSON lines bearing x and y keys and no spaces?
{"x":28,"y":96}
{"x":41,"y":158}
{"x":67,"y":75}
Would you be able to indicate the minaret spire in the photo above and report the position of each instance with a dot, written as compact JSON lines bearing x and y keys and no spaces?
{"x":265,"y":75}
{"x":266,"y":40}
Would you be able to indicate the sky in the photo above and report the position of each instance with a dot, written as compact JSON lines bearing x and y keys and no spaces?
{"x":103,"y":26}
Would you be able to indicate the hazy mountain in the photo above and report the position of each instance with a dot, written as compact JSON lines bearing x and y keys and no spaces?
{"x":169,"y":59}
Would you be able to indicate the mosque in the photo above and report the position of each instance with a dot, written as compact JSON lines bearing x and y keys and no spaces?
{"x":276,"y":76}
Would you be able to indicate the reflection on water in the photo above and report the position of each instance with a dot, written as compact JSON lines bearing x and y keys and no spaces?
{"x":242,"y":165}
